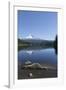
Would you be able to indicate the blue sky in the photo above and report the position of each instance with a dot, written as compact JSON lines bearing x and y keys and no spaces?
{"x":40,"y":24}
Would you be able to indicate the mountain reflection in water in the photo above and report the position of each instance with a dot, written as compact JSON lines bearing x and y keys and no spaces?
{"x":46,"y":58}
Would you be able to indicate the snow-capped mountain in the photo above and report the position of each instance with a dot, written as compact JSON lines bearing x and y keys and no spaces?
{"x":30,"y":36}
{"x":30,"y":39}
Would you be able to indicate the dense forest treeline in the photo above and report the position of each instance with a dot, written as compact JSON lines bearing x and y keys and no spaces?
{"x":24,"y":43}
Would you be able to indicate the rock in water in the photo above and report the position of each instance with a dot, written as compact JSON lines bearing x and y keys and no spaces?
{"x":28,"y":62}
{"x":30,"y":74}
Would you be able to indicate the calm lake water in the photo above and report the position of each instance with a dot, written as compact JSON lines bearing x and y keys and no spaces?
{"x":43,"y":56}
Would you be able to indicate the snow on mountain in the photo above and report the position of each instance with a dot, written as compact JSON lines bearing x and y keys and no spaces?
{"x":30,"y":36}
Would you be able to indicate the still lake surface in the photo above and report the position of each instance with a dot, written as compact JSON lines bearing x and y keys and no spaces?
{"x":46,"y":56}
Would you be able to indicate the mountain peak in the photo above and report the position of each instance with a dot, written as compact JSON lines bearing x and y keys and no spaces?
{"x":30,"y":36}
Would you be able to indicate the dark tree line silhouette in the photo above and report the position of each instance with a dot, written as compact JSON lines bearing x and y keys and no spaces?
{"x":55,"y":44}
